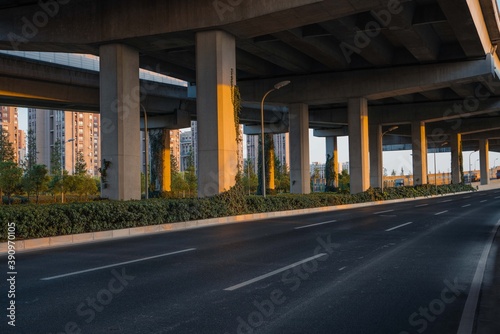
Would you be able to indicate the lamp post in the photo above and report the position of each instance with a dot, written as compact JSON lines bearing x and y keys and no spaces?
{"x":63,"y":143}
{"x":276,"y":87}
{"x":470,"y":167}
{"x":146,"y":144}
{"x":382,"y":169}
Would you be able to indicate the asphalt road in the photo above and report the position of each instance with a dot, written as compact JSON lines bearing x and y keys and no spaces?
{"x":395,"y":268}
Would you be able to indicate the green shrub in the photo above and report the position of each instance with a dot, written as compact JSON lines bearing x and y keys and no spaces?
{"x":36,"y":221}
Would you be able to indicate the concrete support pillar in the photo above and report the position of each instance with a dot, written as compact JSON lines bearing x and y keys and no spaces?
{"x":332,"y":151}
{"x":358,"y":145}
{"x":419,"y":149}
{"x":217,"y":148}
{"x":376,"y":162}
{"x":120,"y":135}
{"x":300,"y":180}
{"x":270,"y":158}
{"x":456,"y":157}
{"x":166,"y":182}
{"x":484,"y":160}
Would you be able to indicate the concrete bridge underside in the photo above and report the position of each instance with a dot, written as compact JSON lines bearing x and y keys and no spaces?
{"x":430,"y":67}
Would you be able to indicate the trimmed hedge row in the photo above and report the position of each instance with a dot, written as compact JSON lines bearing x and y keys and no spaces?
{"x":63,"y":219}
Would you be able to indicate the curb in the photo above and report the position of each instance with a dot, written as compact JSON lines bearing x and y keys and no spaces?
{"x":82,"y":238}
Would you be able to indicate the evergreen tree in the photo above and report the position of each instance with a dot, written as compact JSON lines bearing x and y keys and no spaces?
{"x":6,"y":147}
{"x":55,"y":159}
{"x":36,"y":180}
{"x":31,"y":158}
{"x":250,"y":181}
{"x":10,"y":178}
{"x":330,"y":174}
{"x":80,"y":164}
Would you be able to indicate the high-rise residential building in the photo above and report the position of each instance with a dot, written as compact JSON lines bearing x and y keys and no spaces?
{"x":194,"y":147}
{"x":281,"y":149}
{"x":186,"y":149}
{"x":78,"y":131}
{"x":9,"y":123}
{"x":175,"y":145}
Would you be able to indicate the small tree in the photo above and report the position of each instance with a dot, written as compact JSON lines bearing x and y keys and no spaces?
{"x":31,"y":158}
{"x":55,"y":159}
{"x":330,"y":174}
{"x":80,"y":164}
{"x":10,"y":178}
{"x":83,"y":185}
{"x":6,"y":147}
{"x":36,"y":180}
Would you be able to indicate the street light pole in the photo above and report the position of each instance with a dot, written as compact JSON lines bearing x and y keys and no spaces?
{"x":382,"y":169}
{"x":146,"y":144}
{"x":276,"y":87}
{"x":63,"y":143}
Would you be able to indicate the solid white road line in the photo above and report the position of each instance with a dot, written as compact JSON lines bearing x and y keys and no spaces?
{"x":328,"y":222}
{"x":421,"y":205}
{"x":116,"y":264}
{"x":272,"y":273}
{"x":466,"y":205}
{"x":469,"y":313}
{"x":378,"y":213}
{"x":440,"y":213}
{"x":392,"y":229}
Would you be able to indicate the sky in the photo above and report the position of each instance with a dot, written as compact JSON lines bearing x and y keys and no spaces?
{"x":391,"y":160}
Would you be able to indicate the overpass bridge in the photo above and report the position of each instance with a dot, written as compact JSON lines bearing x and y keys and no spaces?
{"x":357,"y":67}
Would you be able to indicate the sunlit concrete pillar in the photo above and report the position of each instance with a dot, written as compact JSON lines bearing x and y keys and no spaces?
{"x":358,"y":145}
{"x":332,"y":151}
{"x":376,"y":165}
{"x":484,"y":160}
{"x":120,"y":134}
{"x":217,"y":148}
{"x":166,"y":181}
{"x":299,"y":149}
{"x":419,"y":151}
{"x":456,"y":152}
